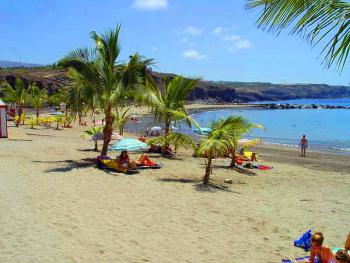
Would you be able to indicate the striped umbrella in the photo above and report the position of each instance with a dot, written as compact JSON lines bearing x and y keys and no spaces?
{"x":128,"y":144}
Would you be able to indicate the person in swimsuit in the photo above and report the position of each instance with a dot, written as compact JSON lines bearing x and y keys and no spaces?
{"x":124,"y":161}
{"x":320,"y":253}
{"x":342,"y":256}
{"x":303,"y":145}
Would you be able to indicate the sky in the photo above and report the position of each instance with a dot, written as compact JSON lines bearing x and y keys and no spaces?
{"x":215,"y":40}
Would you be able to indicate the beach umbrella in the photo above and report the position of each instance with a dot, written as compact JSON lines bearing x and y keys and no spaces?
{"x":128,"y":144}
{"x":154,"y":128}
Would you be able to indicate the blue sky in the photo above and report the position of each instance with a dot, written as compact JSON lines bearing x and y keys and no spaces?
{"x":216,"y":40}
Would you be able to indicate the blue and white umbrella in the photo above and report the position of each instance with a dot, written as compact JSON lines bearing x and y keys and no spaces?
{"x":128,"y":144}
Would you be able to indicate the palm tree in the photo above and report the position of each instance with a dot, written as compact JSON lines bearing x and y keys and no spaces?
{"x":37,"y":98}
{"x":19,"y":95}
{"x":58,"y":97}
{"x":318,"y":21}
{"x":174,"y":138}
{"x":91,"y":132}
{"x":239,"y":126}
{"x":120,"y":118}
{"x":218,"y":143}
{"x":169,"y":106}
{"x":111,"y":82}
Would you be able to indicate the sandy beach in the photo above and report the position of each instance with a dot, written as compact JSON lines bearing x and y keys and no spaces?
{"x":56,"y":206}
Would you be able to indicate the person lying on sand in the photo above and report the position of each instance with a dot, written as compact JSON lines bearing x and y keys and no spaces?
{"x":124,"y":161}
{"x":342,"y":256}
{"x":145,"y":161}
{"x":320,"y":253}
{"x":347,"y":243}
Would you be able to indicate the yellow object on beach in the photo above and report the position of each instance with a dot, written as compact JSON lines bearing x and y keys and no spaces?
{"x":113,"y":165}
{"x":249,"y":154}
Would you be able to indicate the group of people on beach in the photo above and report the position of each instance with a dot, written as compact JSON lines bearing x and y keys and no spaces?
{"x":323,"y":254}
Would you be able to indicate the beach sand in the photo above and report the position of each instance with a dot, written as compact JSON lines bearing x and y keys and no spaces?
{"x":56,"y":206}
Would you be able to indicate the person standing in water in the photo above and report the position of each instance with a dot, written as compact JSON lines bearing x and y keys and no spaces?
{"x":303,"y":145}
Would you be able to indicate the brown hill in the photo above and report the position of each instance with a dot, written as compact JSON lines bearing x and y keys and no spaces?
{"x":220,"y":91}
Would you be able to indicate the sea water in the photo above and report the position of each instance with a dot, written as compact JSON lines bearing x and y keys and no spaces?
{"x":326,"y":129}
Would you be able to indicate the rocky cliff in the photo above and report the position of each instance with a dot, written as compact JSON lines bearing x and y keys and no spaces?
{"x":220,"y":91}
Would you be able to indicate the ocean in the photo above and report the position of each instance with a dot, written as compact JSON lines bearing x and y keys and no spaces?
{"x":326,"y":129}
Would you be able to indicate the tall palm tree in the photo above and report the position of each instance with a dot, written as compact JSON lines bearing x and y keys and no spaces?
{"x":217,"y":143}
{"x":318,"y":21}
{"x":238,"y":127}
{"x":19,"y":95}
{"x":38,"y":98}
{"x":169,"y":106}
{"x":100,"y":70}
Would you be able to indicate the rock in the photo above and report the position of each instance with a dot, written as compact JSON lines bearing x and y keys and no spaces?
{"x":228,"y":181}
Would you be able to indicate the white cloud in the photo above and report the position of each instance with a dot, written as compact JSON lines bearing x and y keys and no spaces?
{"x":193,"y":31}
{"x":193,"y":54}
{"x":241,"y":44}
{"x":150,"y":4}
{"x":232,"y":37}
{"x":218,"y":30}
{"x":154,"y":48}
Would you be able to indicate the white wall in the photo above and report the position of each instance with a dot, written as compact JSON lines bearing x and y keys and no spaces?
{"x":3,"y":122}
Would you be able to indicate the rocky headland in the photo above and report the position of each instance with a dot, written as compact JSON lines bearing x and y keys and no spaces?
{"x":52,"y":79}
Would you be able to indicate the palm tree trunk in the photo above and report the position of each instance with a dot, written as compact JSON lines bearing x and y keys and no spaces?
{"x":37,"y":115}
{"x":23,"y":112}
{"x":107,"y":131}
{"x":20,"y":112}
{"x":233,"y":158}
{"x":96,"y":147}
{"x":79,"y":118}
{"x":207,"y":171}
{"x":167,"y":127}
{"x":65,"y":118}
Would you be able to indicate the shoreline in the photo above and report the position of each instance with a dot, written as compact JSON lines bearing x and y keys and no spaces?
{"x":196,"y":108}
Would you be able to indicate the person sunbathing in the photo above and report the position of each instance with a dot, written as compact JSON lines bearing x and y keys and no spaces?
{"x":144,"y":160}
{"x":168,"y":150}
{"x":124,"y":161}
{"x":342,"y":256}
{"x":142,"y":138}
{"x":347,"y":243}
{"x":320,"y":253}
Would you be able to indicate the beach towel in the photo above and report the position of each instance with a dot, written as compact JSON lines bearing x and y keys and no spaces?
{"x":150,"y":166}
{"x":304,"y":241}
{"x":264,"y":167}
{"x":105,"y":162}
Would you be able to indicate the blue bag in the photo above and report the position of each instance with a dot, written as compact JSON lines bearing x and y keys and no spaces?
{"x":304,"y":241}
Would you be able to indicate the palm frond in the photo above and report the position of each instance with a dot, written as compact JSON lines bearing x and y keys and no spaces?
{"x":318,"y":21}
